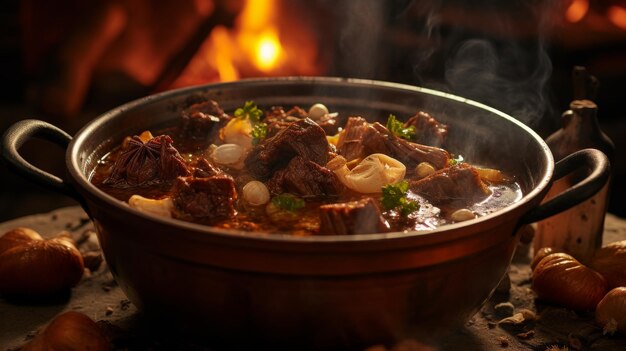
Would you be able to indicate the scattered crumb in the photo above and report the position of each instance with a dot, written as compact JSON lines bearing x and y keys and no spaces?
{"x":93,"y":260}
{"x":503,"y":341}
{"x":109,"y":311}
{"x":526,"y":335}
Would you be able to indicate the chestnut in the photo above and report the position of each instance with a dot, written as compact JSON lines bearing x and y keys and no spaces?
{"x":70,"y":331}
{"x":561,"y":279}
{"x":32,"y":266}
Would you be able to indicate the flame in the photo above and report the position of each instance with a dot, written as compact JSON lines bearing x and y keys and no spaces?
{"x":617,"y":16}
{"x":257,"y":45}
{"x":222,"y":55}
{"x":268,"y":51}
{"x":577,"y":10}
{"x":258,"y":34}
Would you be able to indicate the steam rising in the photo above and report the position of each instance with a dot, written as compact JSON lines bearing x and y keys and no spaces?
{"x":510,"y":69}
{"x":360,"y":34}
{"x":511,"y":78}
{"x":490,"y":51}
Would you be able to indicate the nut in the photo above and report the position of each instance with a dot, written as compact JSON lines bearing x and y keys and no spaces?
{"x":561,"y":279}
{"x":159,"y":207}
{"x":540,"y":254}
{"x":610,"y":261}
{"x":70,"y":331}
{"x":611,"y":311}
{"x":32,"y":266}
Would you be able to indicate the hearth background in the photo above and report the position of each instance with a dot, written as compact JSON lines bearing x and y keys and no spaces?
{"x":407,"y":42}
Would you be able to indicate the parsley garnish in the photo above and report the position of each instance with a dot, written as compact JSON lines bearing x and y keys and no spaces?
{"x":397,"y":128}
{"x":288,"y":202}
{"x":259,"y":131}
{"x":394,"y":197}
{"x":249,"y":111}
{"x":455,"y":161}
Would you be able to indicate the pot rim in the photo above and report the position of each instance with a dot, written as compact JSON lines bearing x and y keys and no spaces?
{"x":81,"y":180}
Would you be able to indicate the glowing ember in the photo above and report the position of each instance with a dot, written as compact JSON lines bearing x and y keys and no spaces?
{"x":577,"y":10}
{"x":617,"y":16}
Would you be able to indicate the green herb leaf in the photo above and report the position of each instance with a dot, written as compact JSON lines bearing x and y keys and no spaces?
{"x":259,"y":131}
{"x":397,"y":128}
{"x":288,"y":202}
{"x":249,"y":111}
{"x":394,"y":197}
{"x":455,"y":160}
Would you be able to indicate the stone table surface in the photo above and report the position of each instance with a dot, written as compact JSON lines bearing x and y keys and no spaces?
{"x":98,"y":296}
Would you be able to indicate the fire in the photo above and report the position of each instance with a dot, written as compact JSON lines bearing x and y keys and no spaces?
{"x":222,"y":55}
{"x":577,"y":10}
{"x":255,"y":46}
{"x":268,"y":51}
{"x":258,"y":35}
{"x":617,"y":16}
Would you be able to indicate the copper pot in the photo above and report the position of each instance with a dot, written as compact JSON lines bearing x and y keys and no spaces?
{"x":323,"y":291}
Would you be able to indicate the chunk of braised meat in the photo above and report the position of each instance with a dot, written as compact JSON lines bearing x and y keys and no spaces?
{"x":329,"y":124}
{"x":202,"y":168}
{"x":361,"y":139}
{"x":350,"y":142}
{"x":305,"y":178}
{"x":457,"y":185}
{"x":141,"y":164}
{"x":202,"y":120}
{"x":277,"y":119}
{"x":356,"y":217}
{"x":411,"y":154}
{"x":303,"y":138}
{"x":428,"y":130}
{"x":206,"y":200}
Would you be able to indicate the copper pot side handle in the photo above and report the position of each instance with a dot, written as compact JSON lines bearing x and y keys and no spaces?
{"x":17,"y":135}
{"x":593,"y":160}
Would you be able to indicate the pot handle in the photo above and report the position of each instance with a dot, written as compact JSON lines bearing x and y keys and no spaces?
{"x":593,"y":160}
{"x":17,"y":135}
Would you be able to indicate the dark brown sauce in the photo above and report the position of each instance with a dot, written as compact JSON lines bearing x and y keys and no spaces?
{"x":307,"y":222}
